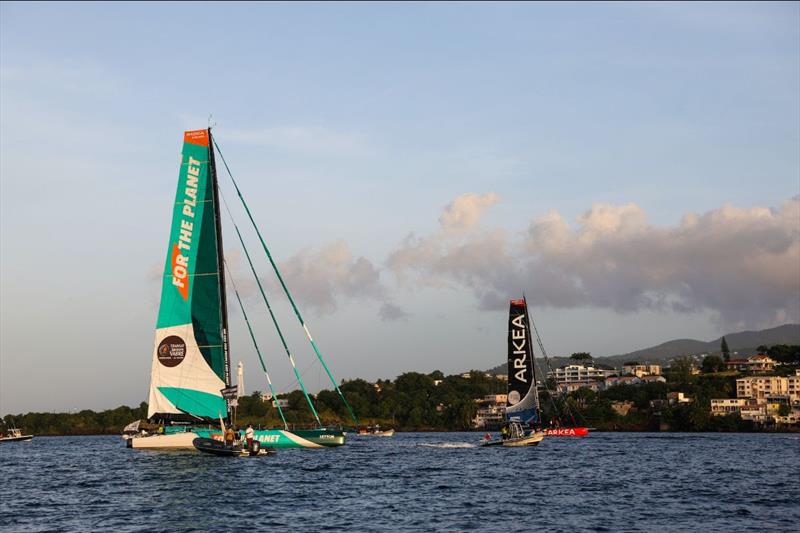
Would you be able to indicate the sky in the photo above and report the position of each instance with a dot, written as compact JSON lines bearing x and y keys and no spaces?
{"x":632,"y":168}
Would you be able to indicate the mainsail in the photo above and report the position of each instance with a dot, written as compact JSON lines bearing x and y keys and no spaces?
{"x":190,"y":354}
{"x":523,"y":399}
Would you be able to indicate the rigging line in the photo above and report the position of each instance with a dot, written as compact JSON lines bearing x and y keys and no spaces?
{"x":255,"y":344}
{"x":549,"y":366}
{"x":283,"y":284}
{"x":303,"y":372}
{"x":272,"y":314}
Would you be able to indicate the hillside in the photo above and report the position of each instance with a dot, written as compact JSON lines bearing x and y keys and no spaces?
{"x":743,"y":342}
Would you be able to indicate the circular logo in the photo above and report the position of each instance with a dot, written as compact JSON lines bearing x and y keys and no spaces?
{"x":171,"y":351}
{"x":513,"y":397}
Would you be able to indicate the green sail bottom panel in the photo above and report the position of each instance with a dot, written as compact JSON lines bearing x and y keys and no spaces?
{"x":196,"y":402}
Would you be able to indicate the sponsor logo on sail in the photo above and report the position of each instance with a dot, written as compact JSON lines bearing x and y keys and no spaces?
{"x":171,"y":351}
{"x":182,"y":248}
{"x":518,"y":342}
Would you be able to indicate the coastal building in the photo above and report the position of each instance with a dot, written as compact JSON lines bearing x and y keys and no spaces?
{"x":491,"y":411}
{"x":792,"y":419}
{"x":572,"y":386}
{"x":747,"y":408}
{"x":623,"y":380}
{"x":762,"y":387}
{"x":577,"y":373}
{"x":653,"y":378}
{"x":727,"y":406}
{"x":756,"y":363}
{"x":761,"y":413}
{"x":283,"y":402}
{"x":641,"y":370}
{"x":793,"y":388}
{"x":677,"y":398}
{"x":622,"y":408}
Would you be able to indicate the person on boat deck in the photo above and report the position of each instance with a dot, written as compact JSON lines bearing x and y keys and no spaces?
{"x":229,"y":436}
{"x":249,"y":436}
{"x":504,"y":431}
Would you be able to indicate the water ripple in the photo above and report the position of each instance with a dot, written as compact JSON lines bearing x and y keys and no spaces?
{"x":410,"y":482}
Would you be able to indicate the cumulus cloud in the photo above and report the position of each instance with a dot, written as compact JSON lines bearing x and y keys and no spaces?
{"x":318,"y":278}
{"x":742,"y":263}
{"x":463,"y":212}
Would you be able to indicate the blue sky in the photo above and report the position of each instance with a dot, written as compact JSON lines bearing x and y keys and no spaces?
{"x":351,"y":127}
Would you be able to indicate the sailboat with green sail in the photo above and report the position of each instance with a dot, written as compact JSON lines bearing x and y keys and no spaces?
{"x":190,"y":377}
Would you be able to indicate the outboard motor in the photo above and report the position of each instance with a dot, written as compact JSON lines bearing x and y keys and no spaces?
{"x":255,"y":447}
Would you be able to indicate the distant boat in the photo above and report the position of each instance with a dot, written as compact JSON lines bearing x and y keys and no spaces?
{"x":190,"y":378}
{"x":375,"y":431}
{"x":14,"y":435}
{"x":523,"y":398}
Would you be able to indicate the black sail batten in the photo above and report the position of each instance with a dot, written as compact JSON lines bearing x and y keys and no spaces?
{"x":220,"y":261}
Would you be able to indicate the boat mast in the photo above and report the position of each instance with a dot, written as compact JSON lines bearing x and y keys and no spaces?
{"x":220,"y":262}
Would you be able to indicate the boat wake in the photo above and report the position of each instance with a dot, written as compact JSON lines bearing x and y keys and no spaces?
{"x":446,"y":445}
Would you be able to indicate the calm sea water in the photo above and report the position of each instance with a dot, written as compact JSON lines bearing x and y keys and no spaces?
{"x":412,"y":481}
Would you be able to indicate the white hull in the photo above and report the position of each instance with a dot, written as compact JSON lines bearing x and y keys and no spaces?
{"x":531,"y":440}
{"x":16,"y":439}
{"x":156,"y":442}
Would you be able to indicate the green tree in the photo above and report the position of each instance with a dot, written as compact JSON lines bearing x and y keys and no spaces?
{"x":581,"y":356}
{"x":680,"y":371}
{"x":785,"y":353}
{"x":784,"y":409}
{"x":723,"y":347}
{"x":711,"y":364}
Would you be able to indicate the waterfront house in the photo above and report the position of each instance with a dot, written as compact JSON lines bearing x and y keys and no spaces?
{"x":727,"y":406}
{"x":623,"y":380}
{"x":756,"y":363}
{"x":641,"y":370}
{"x":677,"y":398}
{"x":572,"y":386}
{"x":491,"y":411}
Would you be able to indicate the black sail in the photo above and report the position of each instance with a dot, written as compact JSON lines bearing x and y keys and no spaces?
{"x":522,"y":396}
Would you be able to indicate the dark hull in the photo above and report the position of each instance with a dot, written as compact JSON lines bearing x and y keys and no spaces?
{"x":215,"y":447}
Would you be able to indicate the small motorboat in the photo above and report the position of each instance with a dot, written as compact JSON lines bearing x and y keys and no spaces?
{"x":515,"y":437}
{"x":216,"y":447}
{"x":14,"y":435}
{"x":375,"y":431}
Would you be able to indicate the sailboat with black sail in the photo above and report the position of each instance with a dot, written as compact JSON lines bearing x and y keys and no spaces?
{"x":522,"y":412}
{"x":190,"y":379}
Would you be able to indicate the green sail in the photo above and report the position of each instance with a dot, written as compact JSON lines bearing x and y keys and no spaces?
{"x":189,"y":359}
